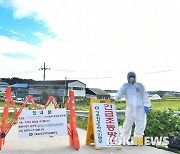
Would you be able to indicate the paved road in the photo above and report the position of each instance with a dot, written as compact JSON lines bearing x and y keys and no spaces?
{"x":60,"y":145}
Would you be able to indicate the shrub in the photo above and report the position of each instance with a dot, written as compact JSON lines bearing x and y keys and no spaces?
{"x":162,"y":123}
{"x":82,"y":104}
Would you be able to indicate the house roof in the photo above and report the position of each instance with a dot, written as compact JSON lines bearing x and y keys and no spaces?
{"x":55,"y":81}
{"x":20,"y":85}
{"x":3,"y":83}
{"x":96,"y":91}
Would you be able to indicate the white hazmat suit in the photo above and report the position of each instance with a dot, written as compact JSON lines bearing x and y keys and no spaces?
{"x":136,"y":100}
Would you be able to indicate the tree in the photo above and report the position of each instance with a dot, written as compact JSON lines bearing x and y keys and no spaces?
{"x":45,"y":96}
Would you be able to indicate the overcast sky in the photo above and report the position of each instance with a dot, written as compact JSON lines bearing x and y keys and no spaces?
{"x":95,"y":41}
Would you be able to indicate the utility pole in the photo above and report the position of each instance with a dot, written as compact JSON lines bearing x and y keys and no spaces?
{"x":44,"y":70}
{"x":65,"y":90}
{"x":44,"y":76}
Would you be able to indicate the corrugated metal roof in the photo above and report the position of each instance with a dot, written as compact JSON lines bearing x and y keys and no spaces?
{"x":3,"y":83}
{"x":98,"y":91}
{"x":20,"y":85}
{"x":55,"y":81}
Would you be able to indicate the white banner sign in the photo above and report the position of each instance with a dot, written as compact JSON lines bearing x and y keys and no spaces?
{"x":105,"y":123}
{"x":42,"y":123}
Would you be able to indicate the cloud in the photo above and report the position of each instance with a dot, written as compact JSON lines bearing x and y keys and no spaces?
{"x":16,"y":33}
{"x":11,"y":45}
{"x":18,"y":55}
{"x":25,"y":57}
{"x":114,"y":36}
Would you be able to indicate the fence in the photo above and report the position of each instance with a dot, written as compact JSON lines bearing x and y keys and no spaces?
{"x":120,"y":113}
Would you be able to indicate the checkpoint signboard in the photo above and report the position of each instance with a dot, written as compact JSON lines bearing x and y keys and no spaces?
{"x":105,"y":125}
{"x":42,"y":123}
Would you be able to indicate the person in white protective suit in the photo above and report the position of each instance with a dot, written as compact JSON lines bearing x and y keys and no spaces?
{"x":137,"y":105}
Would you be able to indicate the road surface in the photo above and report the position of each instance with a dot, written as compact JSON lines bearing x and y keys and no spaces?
{"x":60,"y":145}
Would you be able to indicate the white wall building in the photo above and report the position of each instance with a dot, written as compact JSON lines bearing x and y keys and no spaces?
{"x":154,"y":97}
{"x":78,"y":88}
{"x":112,"y":96}
{"x":3,"y":86}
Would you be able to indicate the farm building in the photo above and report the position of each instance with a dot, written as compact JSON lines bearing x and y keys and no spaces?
{"x":58,"y":88}
{"x":154,"y":97}
{"x":96,"y":93}
{"x":20,"y":90}
{"x":3,"y":86}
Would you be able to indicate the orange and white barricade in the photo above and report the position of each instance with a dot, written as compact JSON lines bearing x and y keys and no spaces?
{"x":5,"y":126}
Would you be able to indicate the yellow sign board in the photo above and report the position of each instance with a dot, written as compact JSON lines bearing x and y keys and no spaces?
{"x":102,"y":126}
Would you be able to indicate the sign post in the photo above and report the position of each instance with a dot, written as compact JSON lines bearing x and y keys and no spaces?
{"x":42,"y":123}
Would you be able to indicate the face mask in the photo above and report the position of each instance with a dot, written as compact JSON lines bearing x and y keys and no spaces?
{"x":131,"y":80}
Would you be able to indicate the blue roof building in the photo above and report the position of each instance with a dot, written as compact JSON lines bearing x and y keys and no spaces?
{"x":20,"y":89}
{"x":20,"y":85}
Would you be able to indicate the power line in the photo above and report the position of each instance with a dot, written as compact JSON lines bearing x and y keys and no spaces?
{"x":18,"y":73}
{"x":109,"y":77}
{"x":164,"y":71}
{"x":65,"y":70}
{"x":89,"y":78}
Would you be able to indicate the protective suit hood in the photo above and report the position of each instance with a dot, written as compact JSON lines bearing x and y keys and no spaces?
{"x":129,"y":75}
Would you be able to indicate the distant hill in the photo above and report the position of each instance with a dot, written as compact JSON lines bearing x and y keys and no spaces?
{"x":165,"y":93}
{"x":159,"y":92}
{"x":15,"y":80}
